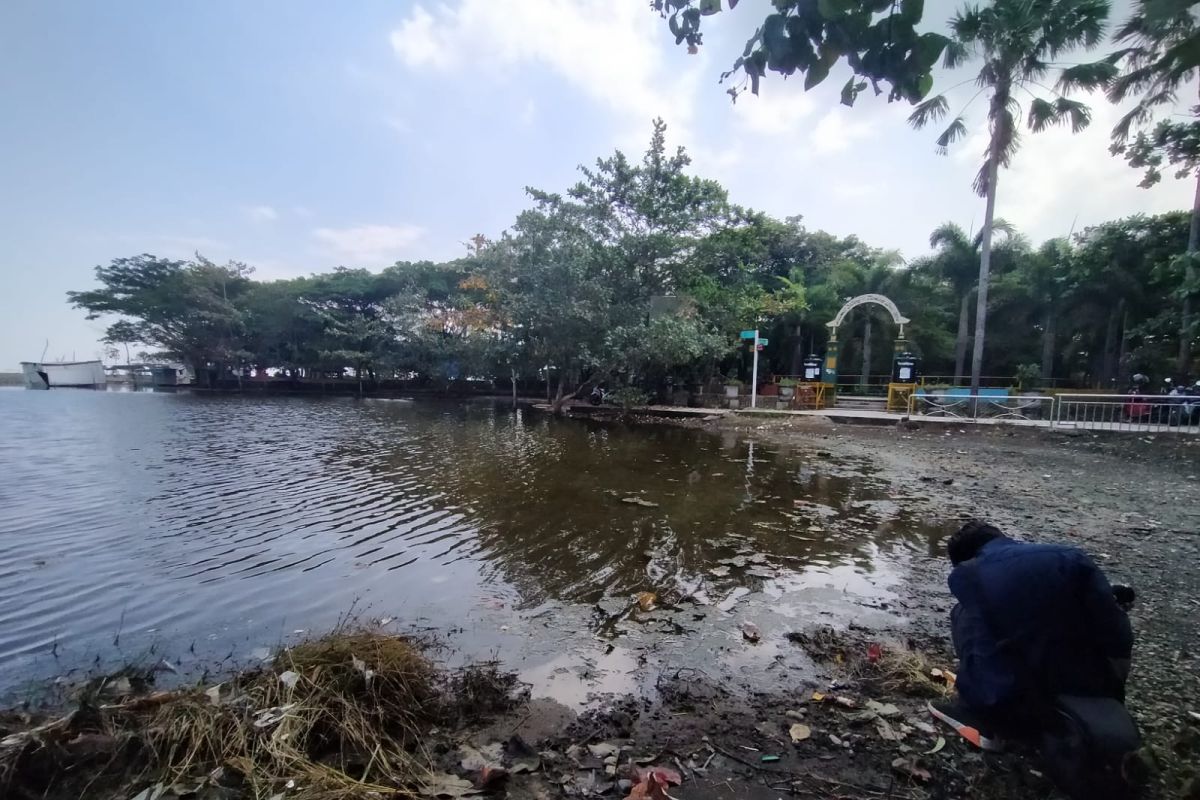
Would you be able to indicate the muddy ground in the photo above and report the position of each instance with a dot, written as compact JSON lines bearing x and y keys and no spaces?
{"x":1131,"y":502}
{"x":833,"y":716}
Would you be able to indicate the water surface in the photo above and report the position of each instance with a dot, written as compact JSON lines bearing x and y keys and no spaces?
{"x":207,"y":528}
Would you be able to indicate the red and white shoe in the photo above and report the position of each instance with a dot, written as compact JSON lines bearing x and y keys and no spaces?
{"x":967,"y":724}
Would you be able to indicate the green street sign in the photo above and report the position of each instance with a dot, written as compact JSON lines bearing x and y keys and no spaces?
{"x":748,"y":334}
{"x":764,"y":341}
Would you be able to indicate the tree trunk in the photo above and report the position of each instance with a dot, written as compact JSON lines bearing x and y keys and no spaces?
{"x":1123,"y":348}
{"x":798,"y":351}
{"x":557,"y":405}
{"x":960,"y":343}
{"x":866,"y":352}
{"x":985,"y":265}
{"x":1048,"y":336}
{"x":1107,"y":366}
{"x":1185,"y":325}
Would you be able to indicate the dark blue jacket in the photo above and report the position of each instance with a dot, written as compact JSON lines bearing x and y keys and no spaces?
{"x":1033,"y":621}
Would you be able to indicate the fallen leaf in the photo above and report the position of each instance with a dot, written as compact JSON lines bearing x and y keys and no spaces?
{"x":911,"y":768}
{"x":817,"y":697}
{"x":637,"y":501}
{"x":603,"y":749}
{"x":750,"y":632}
{"x":882,"y":709}
{"x":650,"y":789}
{"x":874,"y":653}
{"x":886,"y":731}
{"x":664,"y":775}
{"x":645,"y":600}
{"x":937,"y":747}
{"x":475,"y":759}
{"x":924,"y":727}
{"x":799,"y":732}
{"x":441,"y":784}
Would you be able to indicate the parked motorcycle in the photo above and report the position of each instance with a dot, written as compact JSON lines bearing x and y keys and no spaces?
{"x":1089,"y":744}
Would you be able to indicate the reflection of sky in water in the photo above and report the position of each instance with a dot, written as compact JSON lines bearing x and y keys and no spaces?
{"x":204,"y":528}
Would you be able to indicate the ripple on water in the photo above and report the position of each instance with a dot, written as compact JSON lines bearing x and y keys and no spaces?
{"x":160,"y":520}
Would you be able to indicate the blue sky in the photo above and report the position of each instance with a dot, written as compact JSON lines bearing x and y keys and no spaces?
{"x":296,"y":136}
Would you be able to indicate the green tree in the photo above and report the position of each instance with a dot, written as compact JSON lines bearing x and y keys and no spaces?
{"x":122,"y":332}
{"x":1161,"y":56}
{"x":1015,"y":42}
{"x":957,"y":262}
{"x":877,"y":39}
{"x":189,"y":309}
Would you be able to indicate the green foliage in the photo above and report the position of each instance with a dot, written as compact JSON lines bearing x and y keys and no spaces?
{"x":641,"y":277}
{"x":877,"y":39}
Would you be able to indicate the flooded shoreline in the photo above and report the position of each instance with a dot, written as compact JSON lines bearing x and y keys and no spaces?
{"x":203,"y":530}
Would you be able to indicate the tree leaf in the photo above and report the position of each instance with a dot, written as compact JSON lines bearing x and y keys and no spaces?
{"x":710,"y":7}
{"x":956,"y":131}
{"x":930,"y":47}
{"x":817,"y":72}
{"x":924,"y":84}
{"x":911,"y":10}
{"x":931,"y":110}
{"x":1042,"y":114}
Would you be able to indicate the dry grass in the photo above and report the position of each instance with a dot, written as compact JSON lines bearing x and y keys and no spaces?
{"x":341,"y":716}
{"x":902,"y":671}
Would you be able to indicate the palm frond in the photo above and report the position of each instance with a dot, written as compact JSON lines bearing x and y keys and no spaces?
{"x":1074,"y":111}
{"x":955,"y":55}
{"x":1041,"y":115}
{"x":949,"y":235}
{"x":956,"y":131}
{"x":1097,"y":75}
{"x":928,"y":111}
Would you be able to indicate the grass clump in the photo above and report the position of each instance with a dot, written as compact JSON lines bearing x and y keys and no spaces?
{"x":337,"y":717}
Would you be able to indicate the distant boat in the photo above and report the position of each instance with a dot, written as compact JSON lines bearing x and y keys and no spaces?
{"x":64,"y":374}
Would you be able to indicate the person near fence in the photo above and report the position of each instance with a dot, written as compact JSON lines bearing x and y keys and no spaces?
{"x":1032,"y":622}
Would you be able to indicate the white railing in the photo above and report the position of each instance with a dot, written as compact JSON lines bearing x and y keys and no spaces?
{"x":983,"y":406}
{"x":1131,"y":413}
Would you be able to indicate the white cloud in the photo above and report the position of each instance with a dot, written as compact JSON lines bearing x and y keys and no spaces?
{"x":613,"y":52}
{"x":528,"y":114}
{"x":773,"y":113}
{"x":419,"y":44}
{"x":260,"y":213}
{"x":1058,"y":178}
{"x":369,"y":245}
{"x":836,"y":131}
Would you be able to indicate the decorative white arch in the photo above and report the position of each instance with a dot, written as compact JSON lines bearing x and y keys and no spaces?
{"x":878,"y":299}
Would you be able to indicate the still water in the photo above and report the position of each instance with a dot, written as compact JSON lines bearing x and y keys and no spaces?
{"x":201,"y":529}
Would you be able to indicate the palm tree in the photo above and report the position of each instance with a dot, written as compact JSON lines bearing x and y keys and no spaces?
{"x":1162,"y":43}
{"x":957,"y":262}
{"x":1016,"y":41}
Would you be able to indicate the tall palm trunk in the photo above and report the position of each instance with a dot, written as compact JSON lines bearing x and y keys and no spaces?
{"x":1185,"y":325}
{"x":1049,"y":334}
{"x":985,"y":263}
{"x":960,"y":343}
{"x":866,"y":352}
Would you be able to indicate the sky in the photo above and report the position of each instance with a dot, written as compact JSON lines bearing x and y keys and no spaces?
{"x":298,"y":136}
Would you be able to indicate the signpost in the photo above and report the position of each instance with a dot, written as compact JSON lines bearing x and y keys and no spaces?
{"x":758,"y":345}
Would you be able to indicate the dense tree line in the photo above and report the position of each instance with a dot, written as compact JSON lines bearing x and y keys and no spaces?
{"x":641,"y":276}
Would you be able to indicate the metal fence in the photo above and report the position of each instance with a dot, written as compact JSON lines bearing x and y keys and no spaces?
{"x":974,"y":407}
{"x":1131,"y":413}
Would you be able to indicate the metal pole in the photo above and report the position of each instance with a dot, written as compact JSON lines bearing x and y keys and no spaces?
{"x":754,"y":374}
